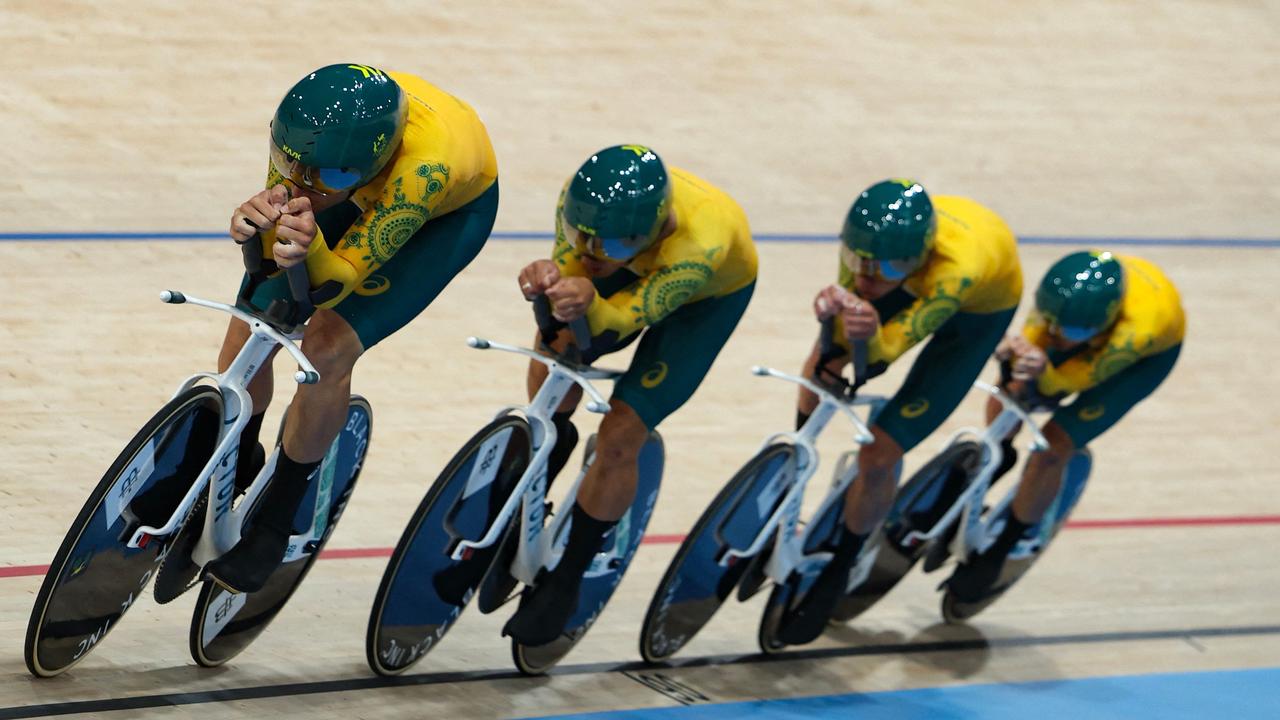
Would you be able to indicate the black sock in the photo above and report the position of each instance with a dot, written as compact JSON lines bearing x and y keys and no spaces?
{"x":1009,"y":536}
{"x":289,"y":484}
{"x":586,"y":534}
{"x":849,"y":544}
{"x":1008,"y":458}
{"x":802,"y":417}
{"x":248,"y":445}
{"x":566,"y":440}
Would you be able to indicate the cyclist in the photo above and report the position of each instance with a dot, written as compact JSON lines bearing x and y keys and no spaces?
{"x":642,"y":251}
{"x":386,"y":187}
{"x":1106,"y":328}
{"x":911,"y":268}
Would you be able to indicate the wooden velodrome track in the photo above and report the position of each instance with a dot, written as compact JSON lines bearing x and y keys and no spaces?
{"x":1074,"y":120}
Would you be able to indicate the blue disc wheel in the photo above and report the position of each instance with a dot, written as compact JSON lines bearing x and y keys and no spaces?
{"x":225,"y":623}
{"x":698,"y":581}
{"x":423,"y":589}
{"x":95,"y":577}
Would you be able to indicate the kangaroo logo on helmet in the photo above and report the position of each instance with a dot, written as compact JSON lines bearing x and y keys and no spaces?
{"x":639,"y":150}
{"x":379,"y":143}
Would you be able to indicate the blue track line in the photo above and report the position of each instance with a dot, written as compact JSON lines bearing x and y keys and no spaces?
{"x":1190,"y":242}
{"x":1235,"y":694}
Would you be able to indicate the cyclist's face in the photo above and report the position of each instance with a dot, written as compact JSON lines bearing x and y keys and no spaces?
{"x":871,"y":286}
{"x":600,"y":266}
{"x":1061,"y":344}
{"x":319,"y":201}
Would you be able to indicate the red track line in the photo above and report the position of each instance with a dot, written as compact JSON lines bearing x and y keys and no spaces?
{"x":22,"y":570}
{"x":1224,"y":521}
{"x":1174,"y":522}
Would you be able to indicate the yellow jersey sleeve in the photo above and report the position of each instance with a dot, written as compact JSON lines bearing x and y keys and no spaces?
{"x":710,"y":254}
{"x":445,"y":161}
{"x":1151,"y":321}
{"x":919,"y":320}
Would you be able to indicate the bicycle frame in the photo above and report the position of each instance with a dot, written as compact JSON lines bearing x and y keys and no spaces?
{"x":788,"y":551}
{"x":537,"y":547}
{"x":223,"y":523}
{"x":979,"y":533}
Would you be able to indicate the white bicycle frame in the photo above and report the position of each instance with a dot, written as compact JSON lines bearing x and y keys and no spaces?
{"x":980,"y":532}
{"x":223,"y":522}
{"x":538,"y":547}
{"x":788,"y":550}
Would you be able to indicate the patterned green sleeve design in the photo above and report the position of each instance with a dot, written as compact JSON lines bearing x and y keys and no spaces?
{"x":405,"y":206}
{"x":652,"y":298}
{"x":918,"y":321}
{"x":1092,"y":367}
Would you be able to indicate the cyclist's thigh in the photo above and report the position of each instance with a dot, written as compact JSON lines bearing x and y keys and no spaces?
{"x":674,"y":355}
{"x":402,"y":288}
{"x":1095,"y":410}
{"x":942,"y":375}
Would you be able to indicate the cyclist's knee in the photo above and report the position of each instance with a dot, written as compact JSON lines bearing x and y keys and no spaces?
{"x":878,"y":459}
{"x":1061,"y":446}
{"x":331,"y":344}
{"x":622,"y":435}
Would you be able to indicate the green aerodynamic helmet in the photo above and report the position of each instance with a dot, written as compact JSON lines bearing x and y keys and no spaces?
{"x":618,"y":201}
{"x":892,"y":225}
{"x":1081,"y":294}
{"x":337,"y":128}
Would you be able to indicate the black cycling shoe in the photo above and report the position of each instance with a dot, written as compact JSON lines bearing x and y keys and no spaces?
{"x":455,"y":583}
{"x":973,"y":581}
{"x":247,"y":566}
{"x":264,"y":541}
{"x":806,"y":622}
{"x":545,"y":609}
